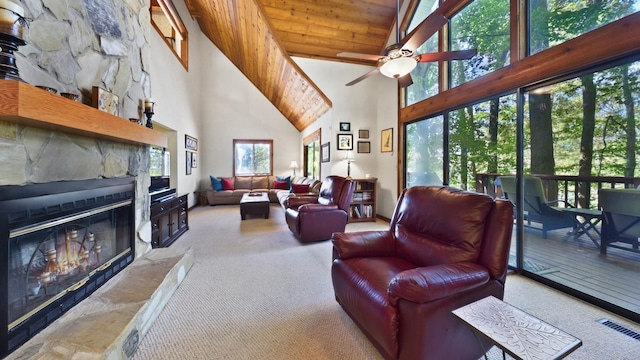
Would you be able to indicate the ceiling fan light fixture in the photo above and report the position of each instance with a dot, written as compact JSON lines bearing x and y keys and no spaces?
{"x":395,"y":68}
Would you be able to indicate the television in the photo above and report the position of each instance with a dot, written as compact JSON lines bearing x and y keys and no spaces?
{"x":159,"y":169}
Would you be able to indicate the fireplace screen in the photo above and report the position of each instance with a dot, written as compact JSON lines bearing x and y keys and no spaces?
{"x":61,"y":241}
{"x":48,"y":260}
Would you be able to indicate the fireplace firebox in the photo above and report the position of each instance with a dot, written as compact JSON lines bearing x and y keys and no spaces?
{"x":61,"y":241}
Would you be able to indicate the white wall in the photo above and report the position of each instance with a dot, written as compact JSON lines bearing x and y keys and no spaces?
{"x":233,"y":108}
{"x":369,"y":105}
{"x":216,"y":103}
{"x":178,"y":101}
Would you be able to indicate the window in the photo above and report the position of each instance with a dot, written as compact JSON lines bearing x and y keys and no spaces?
{"x":483,"y":26}
{"x":425,"y":152}
{"x":252,"y":157}
{"x":167,"y":22}
{"x":554,"y":22}
{"x":312,"y":155}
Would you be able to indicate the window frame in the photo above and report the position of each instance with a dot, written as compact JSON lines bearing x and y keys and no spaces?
{"x":253,"y":142}
{"x":177,"y":26}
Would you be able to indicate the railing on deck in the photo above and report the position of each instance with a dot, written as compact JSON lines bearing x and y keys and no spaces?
{"x":566,"y":185}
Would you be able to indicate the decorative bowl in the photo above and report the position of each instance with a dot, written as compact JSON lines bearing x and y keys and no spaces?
{"x":71,"y":96}
{"x":46,"y":88}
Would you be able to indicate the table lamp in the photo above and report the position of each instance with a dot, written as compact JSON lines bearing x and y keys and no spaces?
{"x":349,"y":157}
{"x":294,"y":166}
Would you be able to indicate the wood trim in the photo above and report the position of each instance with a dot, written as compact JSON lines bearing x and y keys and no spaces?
{"x":588,"y":50}
{"x":27,"y":105}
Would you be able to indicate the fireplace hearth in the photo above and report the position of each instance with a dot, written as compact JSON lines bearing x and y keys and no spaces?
{"x":61,"y":242}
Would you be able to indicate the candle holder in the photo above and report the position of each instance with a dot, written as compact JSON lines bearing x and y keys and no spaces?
{"x":149,"y":123}
{"x":148,"y":111}
{"x":12,"y":23}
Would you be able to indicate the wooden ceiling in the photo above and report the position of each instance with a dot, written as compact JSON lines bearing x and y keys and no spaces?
{"x":260,"y":36}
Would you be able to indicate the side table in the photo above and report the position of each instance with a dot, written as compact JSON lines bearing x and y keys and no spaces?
{"x":515,"y":332}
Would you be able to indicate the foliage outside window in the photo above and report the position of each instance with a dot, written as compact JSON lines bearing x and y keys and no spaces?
{"x":552,"y":22}
{"x":252,"y":157}
{"x":425,"y":75}
{"x":484,"y":26}
{"x":166,"y":20}
{"x":425,"y":152}
{"x":482,"y":140}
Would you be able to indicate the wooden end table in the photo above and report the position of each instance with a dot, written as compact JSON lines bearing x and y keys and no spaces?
{"x":515,"y":332}
{"x":254,"y":204}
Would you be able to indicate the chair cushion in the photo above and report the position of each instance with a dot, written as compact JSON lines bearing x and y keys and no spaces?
{"x":281,"y":185}
{"x":299,"y":188}
{"x":227,"y":183}
{"x":287,"y":179}
{"x":259,"y":182}
{"x":216,"y":184}
{"x":449,"y":227}
{"x":243,"y":182}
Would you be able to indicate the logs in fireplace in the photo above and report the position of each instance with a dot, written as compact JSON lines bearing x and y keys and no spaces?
{"x":60,"y":242}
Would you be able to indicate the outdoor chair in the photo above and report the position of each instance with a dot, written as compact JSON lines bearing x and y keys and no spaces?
{"x":620,"y":219}
{"x":536,"y":207}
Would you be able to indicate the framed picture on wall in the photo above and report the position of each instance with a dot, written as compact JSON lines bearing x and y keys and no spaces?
{"x":325,"y":152}
{"x":364,"y":147}
{"x":194,"y":160}
{"x":345,"y":126}
{"x":345,"y":141}
{"x":104,"y":100}
{"x":190,"y":143}
{"x":188,"y":162}
{"x":363,"y":134}
{"x":386,"y":140}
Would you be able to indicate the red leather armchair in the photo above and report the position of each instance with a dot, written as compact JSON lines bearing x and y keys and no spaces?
{"x":313,"y":219}
{"x":445,"y":248}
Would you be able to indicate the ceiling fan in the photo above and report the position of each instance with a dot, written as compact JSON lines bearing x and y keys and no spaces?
{"x":399,"y":59}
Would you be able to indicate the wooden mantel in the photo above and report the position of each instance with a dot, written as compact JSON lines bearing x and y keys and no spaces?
{"x":28,"y":105}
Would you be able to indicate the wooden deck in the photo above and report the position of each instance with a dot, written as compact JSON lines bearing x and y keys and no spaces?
{"x":577,"y":263}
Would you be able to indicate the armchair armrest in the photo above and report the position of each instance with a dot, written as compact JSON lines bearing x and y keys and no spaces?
{"x":295,"y":202}
{"x":363,"y":244}
{"x":426,"y":284}
{"x":317,"y":208}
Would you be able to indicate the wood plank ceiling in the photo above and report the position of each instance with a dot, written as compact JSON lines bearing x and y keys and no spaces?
{"x":260,"y":36}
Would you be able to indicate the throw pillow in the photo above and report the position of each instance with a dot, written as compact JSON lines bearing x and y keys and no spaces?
{"x":299,"y":188}
{"x":287,"y":179}
{"x":281,"y":185}
{"x":216,"y":183}
{"x":227,"y":184}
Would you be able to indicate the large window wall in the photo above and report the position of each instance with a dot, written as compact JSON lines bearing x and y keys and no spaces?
{"x":566,"y":114}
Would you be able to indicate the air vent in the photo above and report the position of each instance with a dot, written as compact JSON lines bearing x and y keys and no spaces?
{"x":620,"y":328}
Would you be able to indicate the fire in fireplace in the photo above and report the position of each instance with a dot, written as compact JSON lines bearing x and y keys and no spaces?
{"x":61,"y":241}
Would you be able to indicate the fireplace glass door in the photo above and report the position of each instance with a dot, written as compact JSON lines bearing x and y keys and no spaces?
{"x":50,"y":259}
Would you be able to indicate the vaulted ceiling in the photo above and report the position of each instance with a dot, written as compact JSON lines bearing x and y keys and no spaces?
{"x":260,"y":36}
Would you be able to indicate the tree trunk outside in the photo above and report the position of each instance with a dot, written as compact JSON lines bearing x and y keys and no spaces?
{"x":630,"y":168}
{"x":586,"y":142}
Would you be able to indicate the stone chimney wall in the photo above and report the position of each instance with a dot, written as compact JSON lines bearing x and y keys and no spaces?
{"x":73,"y":45}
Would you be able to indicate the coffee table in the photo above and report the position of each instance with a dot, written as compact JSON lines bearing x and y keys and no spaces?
{"x":254,"y":203}
{"x":517,"y":333}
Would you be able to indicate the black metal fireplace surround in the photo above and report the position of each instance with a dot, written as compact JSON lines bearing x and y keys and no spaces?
{"x":60,"y":242}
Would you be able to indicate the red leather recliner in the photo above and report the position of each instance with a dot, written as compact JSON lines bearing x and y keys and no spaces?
{"x":315,"y":219}
{"x":444,"y":249}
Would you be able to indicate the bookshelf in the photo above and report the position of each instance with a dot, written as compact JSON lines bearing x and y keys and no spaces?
{"x":363,"y":203}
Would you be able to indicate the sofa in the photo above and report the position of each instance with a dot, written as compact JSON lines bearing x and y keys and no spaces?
{"x":234,"y":187}
{"x":445,"y":248}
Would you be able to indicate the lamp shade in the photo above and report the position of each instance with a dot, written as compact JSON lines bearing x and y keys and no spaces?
{"x":293,"y":165}
{"x":349,"y":156}
{"x":399,"y":67}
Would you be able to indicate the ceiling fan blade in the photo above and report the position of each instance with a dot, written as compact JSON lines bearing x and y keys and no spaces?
{"x":447,"y":56}
{"x":370,"y":73}
{"x":424,"y":30}
{"x":359,"y":56}
{"x":405,"y":81}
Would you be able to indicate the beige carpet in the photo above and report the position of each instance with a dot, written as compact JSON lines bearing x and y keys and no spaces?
{"x":254,"y":292}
